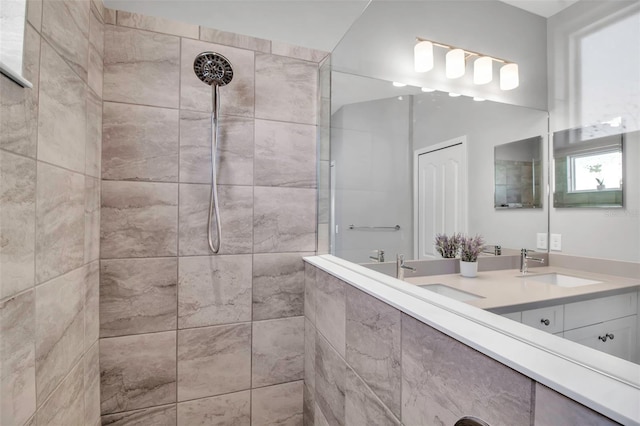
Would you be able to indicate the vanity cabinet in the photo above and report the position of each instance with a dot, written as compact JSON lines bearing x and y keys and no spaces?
{"x":587,"y":312}
{"x":615,"y":337}
{"x":550,"y":319}
{"x":608,"y":324}
{"x":515,"y":316}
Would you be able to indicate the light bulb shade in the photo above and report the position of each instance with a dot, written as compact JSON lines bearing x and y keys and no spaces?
{"x":455,"y":63}
{"x":509,"y":77}
{"x":423,"y":56}
{"x":483,"y":70}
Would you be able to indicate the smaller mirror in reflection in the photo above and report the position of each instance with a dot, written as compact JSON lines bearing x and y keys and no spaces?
{"x":588,"y":167}
{"x":518,"y":174}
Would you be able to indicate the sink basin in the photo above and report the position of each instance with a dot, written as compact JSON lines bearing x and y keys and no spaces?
{"x":562,"y":280}
{"x":451,"y":292}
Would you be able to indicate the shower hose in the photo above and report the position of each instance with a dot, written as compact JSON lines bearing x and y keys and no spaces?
{"x":213,"y":198}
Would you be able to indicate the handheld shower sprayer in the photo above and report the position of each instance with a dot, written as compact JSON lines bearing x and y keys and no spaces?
{"x":216,"y":71}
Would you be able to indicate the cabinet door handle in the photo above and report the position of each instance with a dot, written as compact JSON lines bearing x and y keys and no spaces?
{"x":606,"y":336}
{"x":545,"y":321}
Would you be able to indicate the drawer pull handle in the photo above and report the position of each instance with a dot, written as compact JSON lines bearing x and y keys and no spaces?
{"x":606,"y":336}
{"x":545,"y":321}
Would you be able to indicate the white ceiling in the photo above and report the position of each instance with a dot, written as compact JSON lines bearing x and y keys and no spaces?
{"x":544,"y":8}
{"x":318,"y":24}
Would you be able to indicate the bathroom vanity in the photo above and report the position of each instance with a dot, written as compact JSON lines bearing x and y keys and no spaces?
{"x":559,"y":301}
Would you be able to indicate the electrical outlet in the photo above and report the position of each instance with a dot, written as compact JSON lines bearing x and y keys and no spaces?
{"x":556,"y":242}
{"x":541,"y":240}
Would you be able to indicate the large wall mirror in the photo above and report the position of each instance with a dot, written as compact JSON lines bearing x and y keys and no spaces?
{"x":12,"y":28}
{"x":571,"y":79}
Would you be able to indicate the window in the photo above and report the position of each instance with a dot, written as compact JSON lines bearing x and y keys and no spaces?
{"x":595,"y":171}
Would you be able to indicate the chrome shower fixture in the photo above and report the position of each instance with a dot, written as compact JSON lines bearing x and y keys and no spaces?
{"x":213,"y":68}
{"x":216,"y":71}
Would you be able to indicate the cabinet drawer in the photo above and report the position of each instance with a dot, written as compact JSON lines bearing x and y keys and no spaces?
{"x":617,"y":337}
{"x":549,"y":319}
{"x":580,"y":314}
{"x":515,"y":316}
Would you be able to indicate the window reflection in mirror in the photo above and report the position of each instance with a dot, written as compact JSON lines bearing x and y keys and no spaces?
{"x":588,"y":167}
{"x":518,"y":174}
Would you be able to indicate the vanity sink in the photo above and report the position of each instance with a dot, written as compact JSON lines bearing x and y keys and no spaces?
{"x":451,"y":292}
{"x":562,"y":280}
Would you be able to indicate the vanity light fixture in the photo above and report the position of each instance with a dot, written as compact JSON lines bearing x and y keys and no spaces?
{"x":397,"y":84}
{"x":483,"y":70}
{"x":427,"y":90}
{"x":423,"y":56}
{"x":509,"y":77}
{"x":455,"y":64}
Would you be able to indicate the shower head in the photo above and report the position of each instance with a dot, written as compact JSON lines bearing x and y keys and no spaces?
{"x":213,"y":68}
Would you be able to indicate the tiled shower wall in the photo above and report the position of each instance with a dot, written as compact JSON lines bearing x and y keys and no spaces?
{"x":187,"y":337}
{"x":368,"y":363}
{"x":49,"y":220}
{"x":514,"y":182}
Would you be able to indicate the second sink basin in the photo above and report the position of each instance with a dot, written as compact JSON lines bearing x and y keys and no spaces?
{"x":562,"y":280}
{"x":451,"y":292}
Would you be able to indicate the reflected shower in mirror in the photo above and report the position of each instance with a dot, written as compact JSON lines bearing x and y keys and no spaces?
{"x":588,"y":167}
{"x":518,"y":174}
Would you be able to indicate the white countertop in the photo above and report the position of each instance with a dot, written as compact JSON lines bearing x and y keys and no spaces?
{"x":510,"y":288}
{"x":588,"y":376}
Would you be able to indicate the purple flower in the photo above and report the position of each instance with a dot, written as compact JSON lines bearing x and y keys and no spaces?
{"x":470,"y":248}
{"x":448,"y":247}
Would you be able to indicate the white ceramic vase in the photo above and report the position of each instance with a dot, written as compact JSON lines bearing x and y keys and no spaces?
{"x":468,"y":269}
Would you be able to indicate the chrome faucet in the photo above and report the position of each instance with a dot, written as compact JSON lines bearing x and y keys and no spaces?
{"x":400,"y":267}
{"x":379,"y":257}
{"x":497,"y":250}
{"x":524,"y":256}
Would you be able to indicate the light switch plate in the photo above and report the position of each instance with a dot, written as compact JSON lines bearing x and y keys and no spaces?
{"x":541,"y":240}
{"x":556,"y":242}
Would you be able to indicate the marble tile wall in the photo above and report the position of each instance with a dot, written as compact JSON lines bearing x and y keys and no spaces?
{"x":50,"y":220}
{"x":187,"y":337}
{"x":396,"y":370}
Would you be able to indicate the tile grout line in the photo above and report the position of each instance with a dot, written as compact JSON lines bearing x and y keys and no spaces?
{"x":180,"y":42}
{"x":35,"y":230}
{"x":253,"y":231}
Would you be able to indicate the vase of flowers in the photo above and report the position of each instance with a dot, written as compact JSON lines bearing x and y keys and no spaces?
{"x":470,"y":249}
{"x":446,"y":246}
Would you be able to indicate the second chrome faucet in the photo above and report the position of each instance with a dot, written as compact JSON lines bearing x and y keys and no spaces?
{"x":401,"y":267}
{"x":524,"y":256}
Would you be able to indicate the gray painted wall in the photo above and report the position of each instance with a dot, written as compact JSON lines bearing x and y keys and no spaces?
{"x":438,"y":118}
